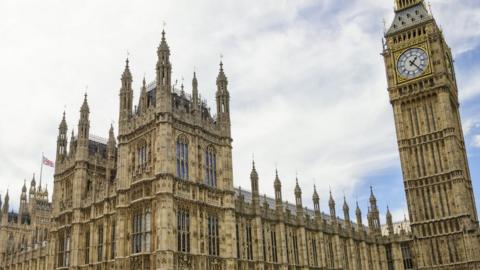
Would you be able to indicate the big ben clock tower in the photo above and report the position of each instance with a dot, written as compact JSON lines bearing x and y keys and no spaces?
{"x":424,"y":96}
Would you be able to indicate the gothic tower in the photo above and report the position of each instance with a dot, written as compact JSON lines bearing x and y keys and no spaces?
{"x":424,"y":96}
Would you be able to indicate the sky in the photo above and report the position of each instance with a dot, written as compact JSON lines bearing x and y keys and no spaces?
{"x":306,"y":79}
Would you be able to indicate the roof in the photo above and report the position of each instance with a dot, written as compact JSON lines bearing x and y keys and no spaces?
{"x":409,"y":17}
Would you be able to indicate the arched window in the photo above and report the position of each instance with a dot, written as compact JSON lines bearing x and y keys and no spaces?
{"x":211,"y":167}
{"x":142,"y":154}
{"x":182,"y":158}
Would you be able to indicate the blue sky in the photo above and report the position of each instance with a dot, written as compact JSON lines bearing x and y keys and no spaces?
{"x":306,"y":78}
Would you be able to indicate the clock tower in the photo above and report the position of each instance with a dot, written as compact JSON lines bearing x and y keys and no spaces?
{"x":424,"y":96}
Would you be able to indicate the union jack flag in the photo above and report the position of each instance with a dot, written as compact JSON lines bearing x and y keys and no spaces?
{"x":47,"y":162}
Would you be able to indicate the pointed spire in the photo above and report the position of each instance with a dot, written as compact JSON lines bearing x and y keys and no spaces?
{"x":85,"y":109}
{"x":163,"y":47}
{"x":63,"y":124}
{"x":221,"y":77}
{"x":331,"y":201}
{"x":142,"y":106}
{"x":345,"y":204}
{"x":127,"y":75}
{"x":298,"y":190}
{"x":315,"y":194}
{"x":24,"y":188}
{"x":33,"y":183}
{"x":389,"y":222}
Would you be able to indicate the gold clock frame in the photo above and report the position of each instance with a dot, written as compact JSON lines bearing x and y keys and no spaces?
{"x":427,"y":71}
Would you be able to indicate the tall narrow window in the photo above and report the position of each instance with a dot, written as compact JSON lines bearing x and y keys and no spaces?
{"x":100,"y":244}
{"x":182,"y":158}
{"x":142,"y":230}
{"x":295,"y":247}
{"x":87,"y":246}
{"x":64,"y":248}
{"x":389,"y":255}
{"x":183,"y":231}
{"x":213,"y":238}
{"x":407,"y":256}
{"x":314,"y":251}
{"x":112,"y":241}
{"x":142,"y":155}
{"x":211,"y":167}
{"x":273,"y":236}
{"x":238,"y":240}
{"x":249,"y":241}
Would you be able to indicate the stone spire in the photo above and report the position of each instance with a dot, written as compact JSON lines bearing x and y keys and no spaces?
{"x":223,"y":98}
{"x":142,"y":106}
{"x":62,"y":140}
{"x":33,"y":183}
{"x":254,"y":185}
{"x":81,"y":153}
{"x":373,"y":214}
{"x":298,"y":194}
{"x":389,"y":222}
{"x":195,"y":97}
{"x":278,"y":191}
{"x":316,"y":201}
{"x":126,"y":97}
{"x":331,"y":204}
{"x":358,"y":213}
{"x":71,"y":151}
{"x":164,"y":77}
{"x":346,"y":210}
{"x":6,"y":205}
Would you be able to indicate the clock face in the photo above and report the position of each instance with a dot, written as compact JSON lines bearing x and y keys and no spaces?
{"x":412,"y":63}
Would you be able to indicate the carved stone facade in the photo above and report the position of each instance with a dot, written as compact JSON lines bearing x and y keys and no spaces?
{"x":163,"y":196}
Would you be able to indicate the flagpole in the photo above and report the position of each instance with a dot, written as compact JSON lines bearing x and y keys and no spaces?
{"x":41,"y":169}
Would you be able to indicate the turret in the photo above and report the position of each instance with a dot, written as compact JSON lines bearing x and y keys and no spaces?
{"x":195,"y":97}
{"x":6,"y":203}
{"x":389,"y":222}
{"x":346,"y":210}
{"x":358,"y":213}
{"x":23,"y":200}
{"x":331,"y":204}
{"x":83,"y":131}
{"x":164,"y":77}
{"x":111,"y":154}
{"x":126,"y":97}
{"x":278,"y":192}
{"x":223,"y":99}
{"x":62,"y":140}
{"x":298,"y":195}
{"x":373,"y":214}
{"x":33,"y":183}
{"x":143,"y":103}
{"x":316,"y":201}
{"x":72,"y":149}
{"x":254,"y":183}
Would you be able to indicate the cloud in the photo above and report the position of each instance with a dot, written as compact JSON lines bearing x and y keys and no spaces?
{"x":307,"y":83}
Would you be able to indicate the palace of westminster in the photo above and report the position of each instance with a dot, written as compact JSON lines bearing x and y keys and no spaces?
{"x":161,"y":195}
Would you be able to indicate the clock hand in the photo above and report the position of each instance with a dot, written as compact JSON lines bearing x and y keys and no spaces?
{"x":413,"y":64}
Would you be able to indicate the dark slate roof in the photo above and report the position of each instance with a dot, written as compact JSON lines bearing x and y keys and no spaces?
{"x":409,"y":17}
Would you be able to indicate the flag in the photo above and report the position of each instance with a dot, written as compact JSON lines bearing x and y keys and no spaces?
{"x":47,"y":162}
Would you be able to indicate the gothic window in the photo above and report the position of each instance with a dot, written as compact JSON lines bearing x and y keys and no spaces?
{"x":389,"y":255}
{"x":213,"y":237}
{"x":248,"y":230}
{"x":407,"y":256}
{"x":211,"y":167}
{"x":314,"y":251}
{"x":142,"y":155}
{"x":345,"y":254}
{"x":100,"y":244}
{"x":264,"y":244}
{"x":273,"y":236}
{"x":141,"y":235}
{"x":238,"y":240}
{"x":64,"y":248}
{"x":112,"y":241}
{"x":182,"y":158}
{"x":183,"y":231}
{"x":295,"y":247}
{"x":87,"y":246}
{"x":329,"y":252}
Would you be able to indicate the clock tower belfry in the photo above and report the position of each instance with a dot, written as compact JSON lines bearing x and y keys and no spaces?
{"x":424,"y":96}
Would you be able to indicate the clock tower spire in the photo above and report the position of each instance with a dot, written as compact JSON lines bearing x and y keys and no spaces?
{"x":424,"y":96}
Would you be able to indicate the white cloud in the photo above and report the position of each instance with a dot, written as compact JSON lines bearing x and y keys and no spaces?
{"x":306,"y":79}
